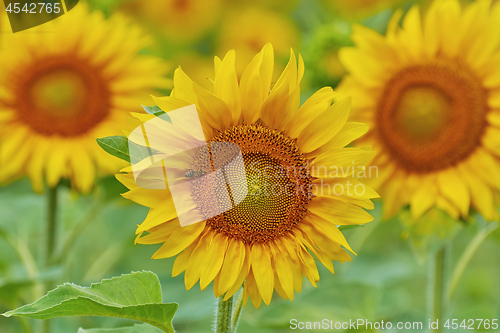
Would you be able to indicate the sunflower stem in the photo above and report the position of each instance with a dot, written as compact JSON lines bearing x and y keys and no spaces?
{"x":51,"y":226}
{"x":237,"y":311}
{"x":50,"y":239}
{"x":224,"y":313}
{"x":438,"y":284}
{"x":467,"y":256}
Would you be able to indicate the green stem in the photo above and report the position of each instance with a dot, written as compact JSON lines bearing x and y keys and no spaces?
{"x":51,"y":227}
{"x":467,"y":256}
{"x":237,"y":311}
{"x":438,"y":285}
{"x":50,"y":239}
{"x":224,"y":312}
{"x":78,"y":230}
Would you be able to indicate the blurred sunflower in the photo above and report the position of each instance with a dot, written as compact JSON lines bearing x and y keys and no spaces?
{"x":248,"y":29}
{"x":358,"y":9}
{"x":198,"y":67}
{"x":431,"y":94}
{"x":278,"y":5}
{"x":267,"y":240}
{"x":180,"y":21}
{"x":58,"y":91}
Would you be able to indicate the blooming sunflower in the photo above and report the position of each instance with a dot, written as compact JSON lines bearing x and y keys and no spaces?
{"x":248,"y":29}
{"x":269,"y":241}
{"x":179,"y":20}
{"x":358,"y":9}
{"x":61,"y":90}
{"x":430,"y":91}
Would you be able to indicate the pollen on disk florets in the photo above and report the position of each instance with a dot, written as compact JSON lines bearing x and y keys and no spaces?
{"x":277,"y":179}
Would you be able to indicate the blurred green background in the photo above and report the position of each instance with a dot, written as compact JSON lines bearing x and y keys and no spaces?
{"x":387,"y":281}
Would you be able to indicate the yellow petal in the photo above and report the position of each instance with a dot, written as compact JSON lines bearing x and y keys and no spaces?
{"x":158,"y":215}
{"x":232,"y":266}
{"x":252,"y":290}
{"x":424,"y":197}
{"x":180,"y":239}
{"x":183,"y":87}
{"x":308,"y":265}
{"x":262,"y":270}
{"x":324,"y":231}
{"x":286,"y":245}
{"x":339,"y":212}
{"x":255,"y":83}
{"x":325,"y":126}
{"x":350,"y":132}
{"x":311,"y":108}
{"x":182,"y":259}
{"x":284,"y":271}
{"x":481,"y":194}
{"x":215,"y":110}
{"x":158,"y":234}
{"x":226,"y":85}
{"x":241,"y":277}
{"x":341,"y":162}
{"x":452,"y":187}
{"x":215,"y":257}
{"x":84,"y":171}
{"x":196,"y":260}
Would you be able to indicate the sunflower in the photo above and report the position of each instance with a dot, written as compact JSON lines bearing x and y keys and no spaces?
{"x":248,"y":29}
{"x":180,"y":21}
{"x":430,"y":91}
{"x":359,"y":9}
{"x":269,"y":241}
{"x":61,"y":90}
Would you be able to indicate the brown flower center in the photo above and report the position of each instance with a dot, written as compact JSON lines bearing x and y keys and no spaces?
{"x":61,"y":95}
{"x":277,"y":177}
{"x":431,"y":117}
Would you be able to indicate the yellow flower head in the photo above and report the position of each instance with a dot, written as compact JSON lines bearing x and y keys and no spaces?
{"x":269,"y":241}
{"x":248,"y":29}
{"x":430,"y":92}
{"x":63,"y":84}
{"x":178,"y":20}
{"x":360,"y":8}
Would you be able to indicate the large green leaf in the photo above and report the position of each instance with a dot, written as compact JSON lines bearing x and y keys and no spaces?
{"x":134,"y":296}
{"x":137,"y":328}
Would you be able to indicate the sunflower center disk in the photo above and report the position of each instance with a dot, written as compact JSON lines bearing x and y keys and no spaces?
{"x":431,"y":117}
{"x":277,"y":180}
{"x":63,"y":96}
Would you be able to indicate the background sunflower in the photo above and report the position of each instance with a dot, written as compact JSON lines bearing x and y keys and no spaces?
{"x":60,"y":90}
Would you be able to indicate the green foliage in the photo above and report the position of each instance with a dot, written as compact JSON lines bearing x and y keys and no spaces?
{"x":138,"y":328}
{"x":119,"y":146}
{"x":155,"y":110}
{"x":115,"y":145}
{"x":134,"y":296}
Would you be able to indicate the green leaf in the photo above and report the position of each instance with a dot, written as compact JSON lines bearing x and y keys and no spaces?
{"x":121,"y":147}
{"x":115,"y":145}
{"x":134,"y":296}
{"x":154,"y":110}
{"x":353,"y":226}
{"x":138,"y":152}
{"x":137,"y":328}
